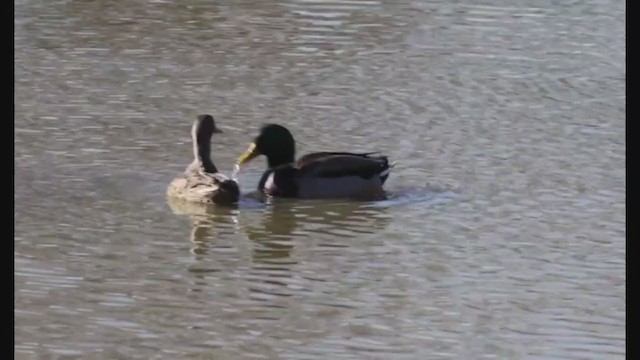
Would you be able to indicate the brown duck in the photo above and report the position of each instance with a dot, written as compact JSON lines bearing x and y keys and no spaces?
{"x":202,"y":183}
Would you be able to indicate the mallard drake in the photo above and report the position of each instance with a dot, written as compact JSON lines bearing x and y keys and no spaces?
{"x":202,"y":182}
{"x":315,"y":175}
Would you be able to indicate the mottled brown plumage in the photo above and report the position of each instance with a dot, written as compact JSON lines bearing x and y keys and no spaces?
{"x":202,"y":183}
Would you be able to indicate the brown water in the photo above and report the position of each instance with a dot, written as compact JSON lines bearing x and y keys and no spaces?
{"x":503,"y":235}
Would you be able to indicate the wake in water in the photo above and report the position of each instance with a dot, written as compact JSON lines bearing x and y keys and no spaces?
{"x":429,"y":196}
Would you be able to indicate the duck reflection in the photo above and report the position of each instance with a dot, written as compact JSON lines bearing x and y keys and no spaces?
{"x":206,"y":218}
{"x":207,"y":222}
{"x":284,"y":220}
{"x":285,"y":225}
{"x":272,"y":231}
{"x":277,"y":229}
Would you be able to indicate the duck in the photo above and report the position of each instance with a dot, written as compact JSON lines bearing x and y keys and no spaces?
{"x":201,"y":181}
{"x":318,"y":175}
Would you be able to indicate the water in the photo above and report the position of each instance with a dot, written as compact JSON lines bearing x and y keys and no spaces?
{"x":236,"y":171}
{"x":503,"y":235}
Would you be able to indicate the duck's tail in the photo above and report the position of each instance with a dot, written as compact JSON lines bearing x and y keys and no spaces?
{"x":384,"y":174}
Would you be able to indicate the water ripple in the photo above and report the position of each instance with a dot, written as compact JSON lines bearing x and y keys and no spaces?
{"x":502,"y":235}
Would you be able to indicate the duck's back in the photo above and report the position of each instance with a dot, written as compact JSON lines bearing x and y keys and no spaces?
{"x":199,"y":186}
{"x":342,"y":164}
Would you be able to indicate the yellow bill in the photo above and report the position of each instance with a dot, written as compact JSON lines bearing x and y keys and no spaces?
{"x":251,"y":153}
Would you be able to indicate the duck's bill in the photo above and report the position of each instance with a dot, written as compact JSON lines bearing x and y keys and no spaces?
{"x":248,"y":155}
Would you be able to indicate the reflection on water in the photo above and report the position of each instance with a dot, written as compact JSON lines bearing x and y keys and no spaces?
{"x":283,"y":219}
{"x":512,"y":111}
{"x":275,"y":229}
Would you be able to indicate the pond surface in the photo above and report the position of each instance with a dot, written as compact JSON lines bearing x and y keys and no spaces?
{"x":503,"y":235}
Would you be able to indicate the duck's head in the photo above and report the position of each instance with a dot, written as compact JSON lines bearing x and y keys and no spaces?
{"x":275,"y":142}
{"x":204,"y":127}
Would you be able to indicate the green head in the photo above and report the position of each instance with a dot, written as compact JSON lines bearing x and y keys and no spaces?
{"x":275,"y":142}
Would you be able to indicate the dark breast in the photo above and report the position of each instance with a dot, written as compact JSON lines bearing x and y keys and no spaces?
{"x":283,"y":184}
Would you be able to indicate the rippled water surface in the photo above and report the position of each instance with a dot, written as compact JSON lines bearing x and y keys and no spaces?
{"x":503,"y":235}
